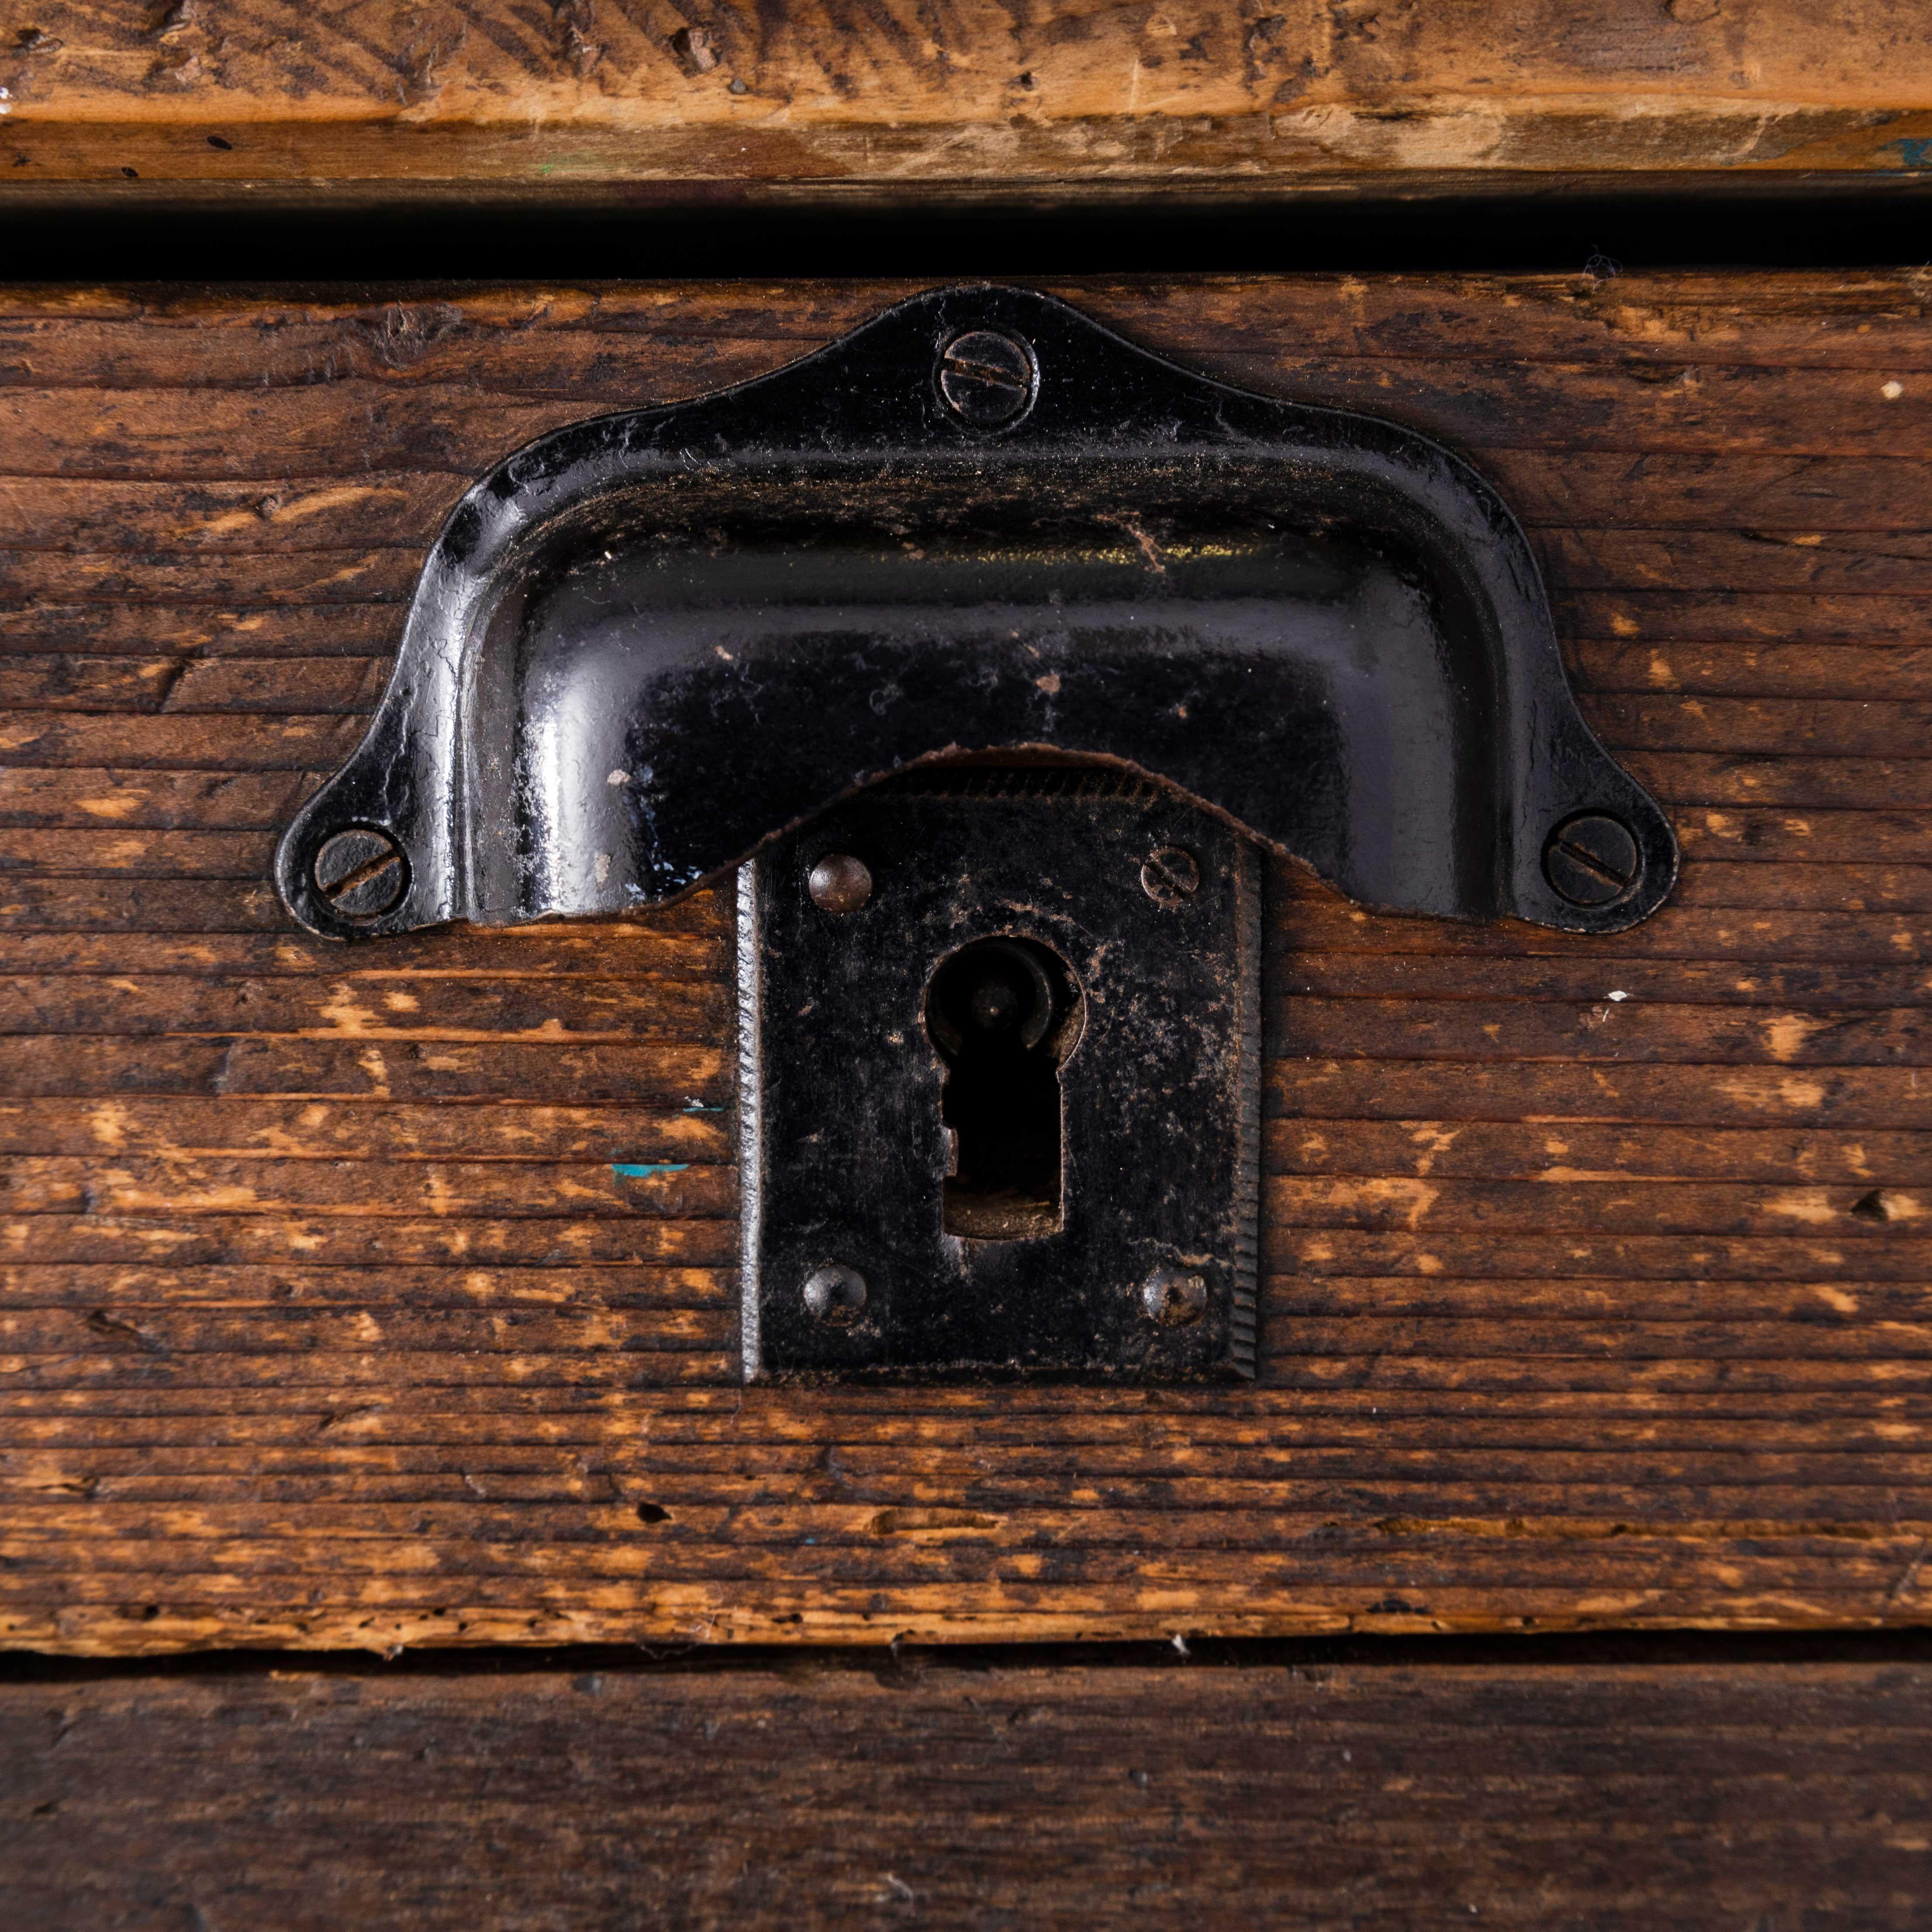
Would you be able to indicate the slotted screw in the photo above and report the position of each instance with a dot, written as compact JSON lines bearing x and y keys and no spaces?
{"x":1593,"y":859}
{"x":361,"y":873}
{"x":986,"y":377}
{"x":1171,"y":875}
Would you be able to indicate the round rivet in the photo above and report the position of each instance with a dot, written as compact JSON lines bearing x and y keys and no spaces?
{"x":1171,"y":875}
{"x":361,"y":873}
{"x":835,"y":1294}
{"x":839,"y":883}
{"x":1174,"y":1297}
{"x":987,"y":377}
{"x":1593,"y":859}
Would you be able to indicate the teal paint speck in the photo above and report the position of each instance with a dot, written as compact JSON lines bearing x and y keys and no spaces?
{"x":643,"y":1170}
{"x":1913,"y":154}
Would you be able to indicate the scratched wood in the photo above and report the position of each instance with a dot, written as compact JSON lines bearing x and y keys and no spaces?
{"x":333,"y":1312}
{"x":1390,"y":1796}
{"x":980,"y":98}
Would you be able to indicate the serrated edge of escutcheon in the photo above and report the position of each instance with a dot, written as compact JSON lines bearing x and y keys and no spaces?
{"x":1243,"y":1313}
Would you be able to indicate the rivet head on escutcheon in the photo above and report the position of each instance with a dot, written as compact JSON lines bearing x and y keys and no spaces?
{"x":839,"y":883}
{"x":986,"y":378}
{"x":1173,"y":1298}
{"x":835,"y":1294}
{"x":1593,"y":859}
{"x":361,"y":873}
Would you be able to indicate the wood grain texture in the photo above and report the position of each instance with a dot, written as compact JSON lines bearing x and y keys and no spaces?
{"x":1392,"y":1797}
{"x":1597,"y":1272}
{"x":679,"y":100}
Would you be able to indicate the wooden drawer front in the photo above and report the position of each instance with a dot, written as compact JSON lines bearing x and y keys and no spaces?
{"x":1310,"y":1794}
{"x":386,"y":1295}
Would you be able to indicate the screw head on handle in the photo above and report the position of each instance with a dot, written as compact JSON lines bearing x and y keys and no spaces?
{"x":987,"y":378}
{"x":1593,"y":859}
{"x":1171,"y":875}
{"x":361,"y":873}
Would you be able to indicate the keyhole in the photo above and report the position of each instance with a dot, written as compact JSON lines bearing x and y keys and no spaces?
{"x":1004,"y":1013}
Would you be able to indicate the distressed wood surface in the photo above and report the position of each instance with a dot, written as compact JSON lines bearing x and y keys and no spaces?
{"x":1382,"y":1797}
{"x":1596,"y":1273}
{"x":567,"y":98}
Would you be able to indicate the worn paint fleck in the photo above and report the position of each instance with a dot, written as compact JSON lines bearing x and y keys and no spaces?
{"x":342,"y":1012}
{"x":1785,"y":1036}
{"x":644,"y":1170}
{"x":1810,"y":1203}
{"x":1433,"y":1140}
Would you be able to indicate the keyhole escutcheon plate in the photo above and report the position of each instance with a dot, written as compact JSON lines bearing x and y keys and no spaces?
{"x":1029,"y":939}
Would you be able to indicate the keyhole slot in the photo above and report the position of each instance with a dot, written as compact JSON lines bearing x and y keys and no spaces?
{"x":1004,"y":1014}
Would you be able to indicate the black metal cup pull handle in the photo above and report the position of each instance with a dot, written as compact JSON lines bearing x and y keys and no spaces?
{"x":981,"y":524}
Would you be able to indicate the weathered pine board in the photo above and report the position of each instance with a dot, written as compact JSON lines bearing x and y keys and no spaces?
{"x":680,"y":102}
{"x":1393,"y":1796}
{"x":325,"y":1319}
